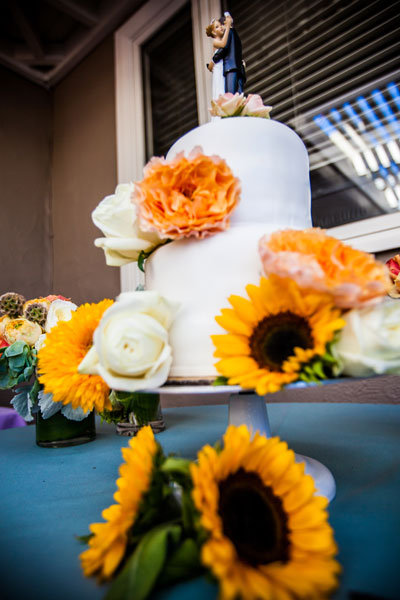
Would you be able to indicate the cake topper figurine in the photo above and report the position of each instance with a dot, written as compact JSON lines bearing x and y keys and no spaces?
{"x":227,"y":63}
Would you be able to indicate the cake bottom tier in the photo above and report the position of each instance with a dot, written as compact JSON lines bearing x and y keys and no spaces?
{"x":200,"y":276}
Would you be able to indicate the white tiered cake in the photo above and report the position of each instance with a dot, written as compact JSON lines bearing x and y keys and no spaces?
{"x":272,"y":164}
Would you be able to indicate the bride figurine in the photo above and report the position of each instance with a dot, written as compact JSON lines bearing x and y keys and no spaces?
{"x":219,"y":32}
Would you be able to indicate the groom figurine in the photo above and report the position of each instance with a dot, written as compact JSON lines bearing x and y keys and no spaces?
{"x":231,"y":55}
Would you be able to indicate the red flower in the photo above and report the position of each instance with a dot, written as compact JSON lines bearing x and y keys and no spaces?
{"x":3,"y":343}
{"x":393,"y":265}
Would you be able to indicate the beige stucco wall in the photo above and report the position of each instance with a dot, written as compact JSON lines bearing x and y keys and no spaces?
{"x":84,"y":171}
{"x":25,"y":144}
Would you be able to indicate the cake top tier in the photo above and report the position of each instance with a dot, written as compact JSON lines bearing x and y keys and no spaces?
{"x":271,"y":162}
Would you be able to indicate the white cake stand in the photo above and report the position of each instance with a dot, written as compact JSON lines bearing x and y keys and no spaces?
{"x":246,"y":408}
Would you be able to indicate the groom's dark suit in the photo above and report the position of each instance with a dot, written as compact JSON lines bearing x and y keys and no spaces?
{"x":233,"y":63}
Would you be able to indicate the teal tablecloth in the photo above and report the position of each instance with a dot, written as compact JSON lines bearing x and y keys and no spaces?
{"x":48,"y":495}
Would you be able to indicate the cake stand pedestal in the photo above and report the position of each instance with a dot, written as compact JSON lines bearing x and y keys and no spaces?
{"x":251,"y":410}
{"x":248,"y":409}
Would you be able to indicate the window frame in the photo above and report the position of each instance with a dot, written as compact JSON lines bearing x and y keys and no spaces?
{"x":375,"y":234}
{"x":130,"y":109}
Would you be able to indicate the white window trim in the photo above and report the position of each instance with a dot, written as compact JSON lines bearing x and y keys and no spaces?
{"x":376,"y":234}
{"x":130,"y":110}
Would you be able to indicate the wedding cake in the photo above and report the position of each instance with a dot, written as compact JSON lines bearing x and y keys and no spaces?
{"x":271,"y":162}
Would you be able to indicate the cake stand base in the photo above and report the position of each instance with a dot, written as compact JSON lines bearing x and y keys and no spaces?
{"x":248,"y":409}
{"x":251,"y":410}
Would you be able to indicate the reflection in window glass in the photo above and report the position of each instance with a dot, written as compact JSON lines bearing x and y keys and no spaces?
{"x":330,"y":71}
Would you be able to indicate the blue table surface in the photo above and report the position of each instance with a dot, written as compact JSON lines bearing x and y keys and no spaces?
{"x":49,"y":495}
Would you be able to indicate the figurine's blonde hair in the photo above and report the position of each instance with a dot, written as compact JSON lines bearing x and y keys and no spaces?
{"x":210,"y":29}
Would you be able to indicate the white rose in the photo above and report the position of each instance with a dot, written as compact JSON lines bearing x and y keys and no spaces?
{"x":60,"y":310}
{"x":116,"y":216}
{"x":369,"y":344}
{"x":130,"y":346}
{"x":254,"y":107}
{"x":227,"y":105}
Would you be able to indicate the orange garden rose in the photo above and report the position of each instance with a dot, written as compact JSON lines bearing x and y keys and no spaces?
{"x":320,"y":262}
{"x":186,"y":197}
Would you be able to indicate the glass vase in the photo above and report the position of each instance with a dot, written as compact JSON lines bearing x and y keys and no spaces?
{"x":146,"y":410}
{"x":59,"y":432}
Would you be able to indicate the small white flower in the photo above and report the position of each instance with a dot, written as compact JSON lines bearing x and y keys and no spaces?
{"x":227,"y":105}
{"x":369,"y":344}
{"x":60,"y":310}
{"x":254,"y":107}
{"x":116,"y":216}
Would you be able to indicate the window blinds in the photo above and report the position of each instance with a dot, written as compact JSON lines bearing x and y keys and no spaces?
{"x":328,"y":70}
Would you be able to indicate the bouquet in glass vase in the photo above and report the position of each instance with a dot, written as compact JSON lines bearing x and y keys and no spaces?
{"x":25,"y":328}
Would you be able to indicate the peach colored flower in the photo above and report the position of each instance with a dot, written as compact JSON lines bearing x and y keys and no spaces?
{"x":186,"y":197}
{"x":254,"y":107}
{"x":227,"y":105}
{"x":318,"y":261}
{"x":53,"y":297}
{"x":393,"y":264}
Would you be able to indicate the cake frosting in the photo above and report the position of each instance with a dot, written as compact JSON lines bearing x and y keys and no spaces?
{"x":271,"y":162}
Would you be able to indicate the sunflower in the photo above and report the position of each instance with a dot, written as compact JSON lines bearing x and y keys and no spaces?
{"x":108,"y":544}
{"x":65,"y":346}
{"x":271,"y":336}
{"x":268,"y":534}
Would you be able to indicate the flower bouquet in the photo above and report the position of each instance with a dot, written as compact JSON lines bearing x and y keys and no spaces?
{"x":321,"y":310}
{"x":39,"y":344}
{"x":238,"y":105}
{"x":244,"y":514}
{"x":130,"y":352}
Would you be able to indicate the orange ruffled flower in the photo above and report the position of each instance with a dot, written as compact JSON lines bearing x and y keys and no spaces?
{"x":186,"y":197}
{"x":320,"y":262}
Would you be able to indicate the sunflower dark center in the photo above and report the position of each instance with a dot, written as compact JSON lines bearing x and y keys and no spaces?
{"x":253,"y":519}
{"x":275,"y":338}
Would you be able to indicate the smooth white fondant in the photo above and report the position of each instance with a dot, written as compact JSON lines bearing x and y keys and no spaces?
{"x":272,"y":164}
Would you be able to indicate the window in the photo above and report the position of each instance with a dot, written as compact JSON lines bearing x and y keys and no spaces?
{"x":169,"y":84}
{"x":330,"y":71}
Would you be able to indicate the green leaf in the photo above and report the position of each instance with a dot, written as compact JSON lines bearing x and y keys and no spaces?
{"x":188,"y":510}
{"x":221,"y":380}
{"x":34,"y":391}
{"x":183,"y":563}
{"x":319,"y":370}
{"x":173,"y":465}
{"x":140,"y":573}
{"x":17,"y":362}
{"x":84,"y":539}
{"x":15,"y":349}
{"x":142,"y":257}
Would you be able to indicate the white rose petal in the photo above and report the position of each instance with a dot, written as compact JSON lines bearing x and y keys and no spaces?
{"x":369,"y":344}
{"x":116,"y":216}
{"x":60,"y":310}
{"x":90,"y":362}
{"x":130,"y":346}
{"x":40,"y":342}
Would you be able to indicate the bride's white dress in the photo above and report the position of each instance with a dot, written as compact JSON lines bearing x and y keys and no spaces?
{"x":218,"y":81}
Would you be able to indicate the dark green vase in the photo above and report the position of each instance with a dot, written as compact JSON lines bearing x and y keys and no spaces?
{"x":59,"y":432}
{"x":145,"y":410}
